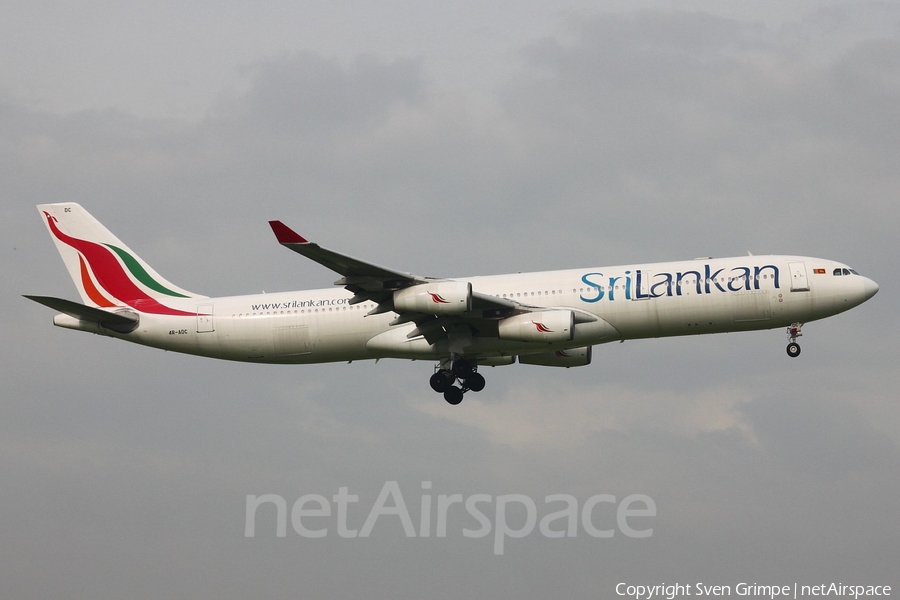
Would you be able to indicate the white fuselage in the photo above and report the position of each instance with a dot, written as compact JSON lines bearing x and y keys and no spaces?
{"x":629,"y":302}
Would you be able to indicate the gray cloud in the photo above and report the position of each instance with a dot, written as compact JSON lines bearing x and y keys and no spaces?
{"x":300,"y":95}
{"x":645,"y":135}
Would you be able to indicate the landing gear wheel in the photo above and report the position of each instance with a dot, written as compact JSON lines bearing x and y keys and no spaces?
{"x":453,"y":395}
{"x":441,"y":381}
{"x":462,"y":368}
{"x":475,"y":382}
{"x":793,"y":332}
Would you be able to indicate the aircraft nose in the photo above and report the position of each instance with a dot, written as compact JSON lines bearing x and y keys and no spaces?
{"x":870,"y":288}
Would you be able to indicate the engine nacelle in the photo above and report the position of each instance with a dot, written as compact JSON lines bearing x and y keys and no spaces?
{"x":496,"y":361}
{"x":546,"y":326}
{"x":572,"y":357}
{"x":438,"y":298}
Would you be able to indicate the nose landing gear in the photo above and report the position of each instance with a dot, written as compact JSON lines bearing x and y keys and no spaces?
{"x":793,"y":332}
{"x":448,"y":372}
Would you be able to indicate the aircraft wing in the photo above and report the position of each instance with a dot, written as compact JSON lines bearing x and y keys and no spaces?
{"x":349,"y":267}
{"x":372,"y":282}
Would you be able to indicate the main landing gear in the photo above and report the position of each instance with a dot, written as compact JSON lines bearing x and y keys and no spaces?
{"x":448,"y":372}
{"x":793,"y":332}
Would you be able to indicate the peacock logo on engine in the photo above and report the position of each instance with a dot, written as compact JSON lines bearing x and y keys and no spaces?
{"x":541,"y":327}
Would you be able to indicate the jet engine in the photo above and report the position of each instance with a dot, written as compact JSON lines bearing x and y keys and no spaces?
{"x":571,"y":357}
{"x":546,"y":326}
{"x":438,"y":298}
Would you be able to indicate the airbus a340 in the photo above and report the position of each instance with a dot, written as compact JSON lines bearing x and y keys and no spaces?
{"x":551,"y":318}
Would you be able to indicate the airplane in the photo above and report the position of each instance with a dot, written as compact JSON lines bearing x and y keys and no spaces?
{"x":550,"y":318}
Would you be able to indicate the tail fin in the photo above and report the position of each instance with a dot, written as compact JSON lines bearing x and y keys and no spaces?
{"x":105,"y":271}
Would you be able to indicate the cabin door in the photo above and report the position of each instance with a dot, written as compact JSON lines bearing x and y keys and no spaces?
{"x":205,"y":318}
{"x":799,"y":283}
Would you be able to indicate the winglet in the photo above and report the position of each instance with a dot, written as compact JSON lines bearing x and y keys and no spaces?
{"x":285,"y":234}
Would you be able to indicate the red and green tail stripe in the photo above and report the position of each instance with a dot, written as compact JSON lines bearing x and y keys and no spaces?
{"x":141,"y":274}
{"x":112,"y":278}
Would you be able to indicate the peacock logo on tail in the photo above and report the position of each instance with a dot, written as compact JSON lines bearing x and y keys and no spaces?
{"x":110,"y":276}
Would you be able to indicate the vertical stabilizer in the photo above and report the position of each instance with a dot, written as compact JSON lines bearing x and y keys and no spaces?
{"x":105,"y":271}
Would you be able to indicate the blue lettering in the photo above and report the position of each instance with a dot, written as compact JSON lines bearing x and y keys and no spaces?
{"x":638,"y":295}
{"x":714,"y":277}
{"x":596,"y":286}
{"x":742,"y":280}
{"x":681,"y":276}
{"x":759,"y":270}
{"x":640,"y":285}
{"x":666,"y":283}
{"x":612,"y":287}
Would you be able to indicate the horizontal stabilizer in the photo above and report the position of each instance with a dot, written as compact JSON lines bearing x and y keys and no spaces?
{"x":123,"y":322}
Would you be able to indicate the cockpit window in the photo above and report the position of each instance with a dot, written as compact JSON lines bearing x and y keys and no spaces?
{"x":837,"y":273}
{"x":846,"y":271}
{"x":853,"y":271}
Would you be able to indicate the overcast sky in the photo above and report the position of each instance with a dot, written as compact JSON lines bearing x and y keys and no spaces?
{"x":455,"y":139}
